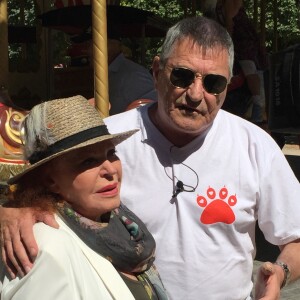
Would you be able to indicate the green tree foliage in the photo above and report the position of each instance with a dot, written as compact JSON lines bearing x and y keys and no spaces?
{"x":15,"y":15}
{"x":288,"y":29}
{"x":170,"y":10}
{"x":288,"y":22}
{"x":24,"y":15}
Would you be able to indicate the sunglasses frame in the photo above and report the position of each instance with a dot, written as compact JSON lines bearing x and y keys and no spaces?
{"x":196,"y":75}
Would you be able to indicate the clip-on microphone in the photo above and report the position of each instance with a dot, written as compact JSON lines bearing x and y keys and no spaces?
{"x":179,"y":188}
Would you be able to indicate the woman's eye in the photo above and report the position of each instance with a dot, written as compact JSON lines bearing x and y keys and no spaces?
{"x":112,"y":154}
{"x":90,"y":162}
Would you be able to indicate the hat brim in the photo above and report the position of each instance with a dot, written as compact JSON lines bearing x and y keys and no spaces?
{"x":114,"y":138}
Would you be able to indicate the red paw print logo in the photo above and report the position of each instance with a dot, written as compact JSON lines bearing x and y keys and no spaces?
{"x":219,"y":210}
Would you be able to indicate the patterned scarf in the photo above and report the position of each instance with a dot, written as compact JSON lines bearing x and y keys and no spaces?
{"x":124,"y":240}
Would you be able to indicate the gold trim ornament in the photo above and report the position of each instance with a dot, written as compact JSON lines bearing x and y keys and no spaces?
{"x":11,"y":151}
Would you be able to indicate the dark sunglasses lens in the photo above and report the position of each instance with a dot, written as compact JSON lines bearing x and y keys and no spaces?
{"x":182,"y":77}
{"x":214,"y":84}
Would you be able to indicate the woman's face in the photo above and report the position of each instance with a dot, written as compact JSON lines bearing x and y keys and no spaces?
{"x":88,"y":179}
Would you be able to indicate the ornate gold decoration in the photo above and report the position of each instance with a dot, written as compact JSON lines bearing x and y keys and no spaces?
{"x":8,"y":170}
{"x":11,"y":157}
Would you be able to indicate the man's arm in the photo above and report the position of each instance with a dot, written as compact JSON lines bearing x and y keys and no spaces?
{"x":271,"y":276}
{"x":231,"y":8}
{"x":290,"y":255}
{"x":18,"y":245}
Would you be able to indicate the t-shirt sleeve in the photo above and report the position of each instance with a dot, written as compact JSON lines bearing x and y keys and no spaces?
{"x":279,"y":204}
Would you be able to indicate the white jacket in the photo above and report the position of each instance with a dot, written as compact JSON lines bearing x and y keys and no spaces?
{"x":65,"y":269}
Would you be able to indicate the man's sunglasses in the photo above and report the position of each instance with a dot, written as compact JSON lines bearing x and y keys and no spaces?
{"x":212,"y":83}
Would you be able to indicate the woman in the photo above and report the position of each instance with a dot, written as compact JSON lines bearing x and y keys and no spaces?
{"x":101,"y":250}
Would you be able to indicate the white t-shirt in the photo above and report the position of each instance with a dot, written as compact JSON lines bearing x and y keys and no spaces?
{"x":206,"y":238}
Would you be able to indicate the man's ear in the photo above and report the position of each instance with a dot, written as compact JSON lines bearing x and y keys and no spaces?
{"x":155,"y":69}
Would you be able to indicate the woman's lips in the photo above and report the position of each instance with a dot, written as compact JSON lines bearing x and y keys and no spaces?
{"x":110,"y":189}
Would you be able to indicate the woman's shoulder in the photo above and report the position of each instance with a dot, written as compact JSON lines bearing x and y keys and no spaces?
{"x":54,"y":242}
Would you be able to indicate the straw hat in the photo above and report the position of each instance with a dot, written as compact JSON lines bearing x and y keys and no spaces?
{"x":59,"y":126}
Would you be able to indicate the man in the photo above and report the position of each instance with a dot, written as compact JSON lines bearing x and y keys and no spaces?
{"x":199,"y":178}
{"x":128,"y":81}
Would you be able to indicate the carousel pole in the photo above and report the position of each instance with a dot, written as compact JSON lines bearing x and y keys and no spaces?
{"x":100,"y":56}
{"x":3,"y":45}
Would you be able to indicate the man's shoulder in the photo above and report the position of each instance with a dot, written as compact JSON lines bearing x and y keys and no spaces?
{"x":133,"y":66}
{"x":237,"y":121}
{"x":239,"y":128}
{"x":122,"y":63}
{"x":127,"y":120}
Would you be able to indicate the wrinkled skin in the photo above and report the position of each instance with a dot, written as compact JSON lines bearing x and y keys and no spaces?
{"x":182,"y":114}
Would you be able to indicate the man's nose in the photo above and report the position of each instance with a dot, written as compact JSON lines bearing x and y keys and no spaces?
{"x":196,"y":91}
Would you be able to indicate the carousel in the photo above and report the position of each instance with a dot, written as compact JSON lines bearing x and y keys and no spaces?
{"x":11,"y":116}
{"x":31,"y":83}
{"x":37,"y":79}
